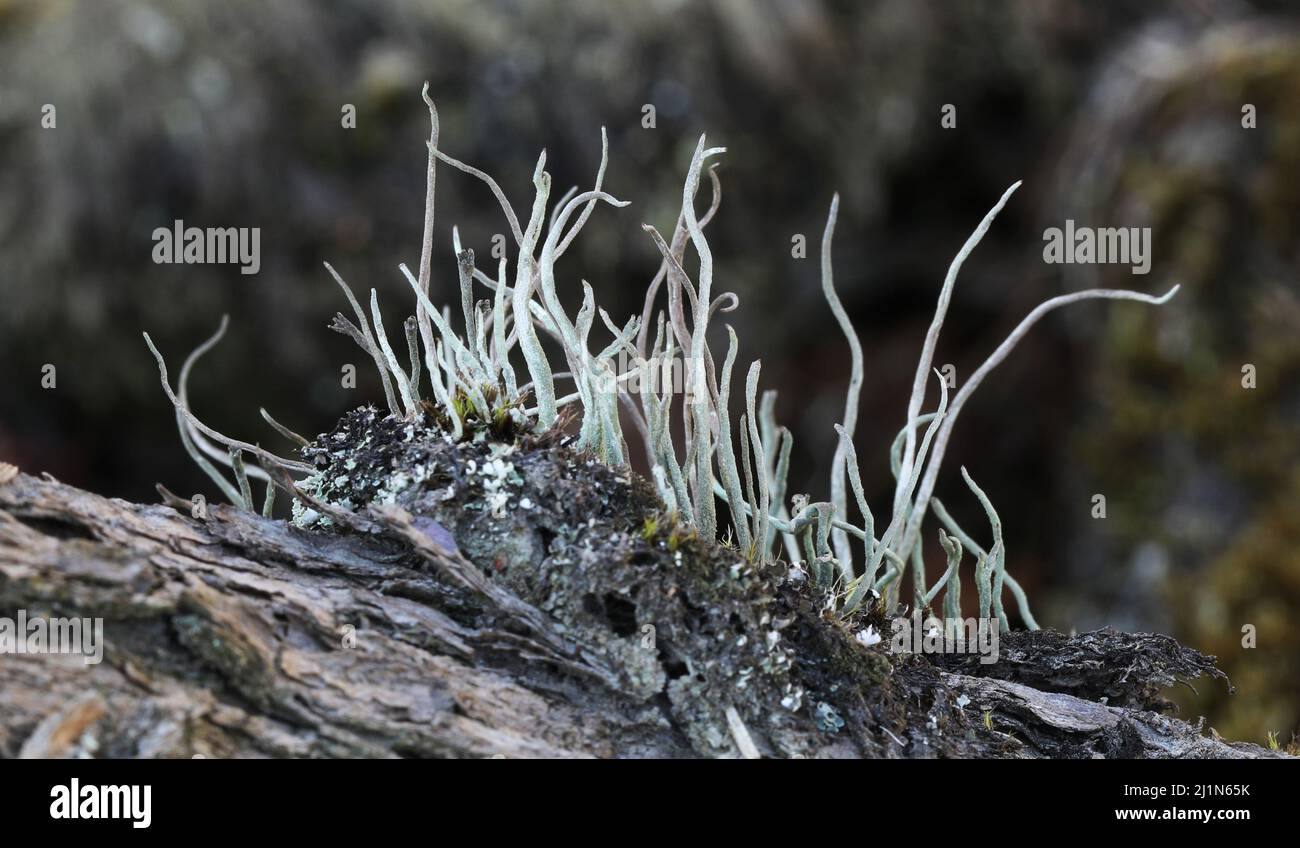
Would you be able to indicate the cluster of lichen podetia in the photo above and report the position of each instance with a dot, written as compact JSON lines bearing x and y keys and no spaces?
{"x":476,"y":389}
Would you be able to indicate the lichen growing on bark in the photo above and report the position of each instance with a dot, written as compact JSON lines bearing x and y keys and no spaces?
{"x":686,"y":623}
{"x":477,"y":395}
{"x":687,"y":610}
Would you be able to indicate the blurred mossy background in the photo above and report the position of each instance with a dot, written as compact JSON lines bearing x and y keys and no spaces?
{"x":1116,"y":114}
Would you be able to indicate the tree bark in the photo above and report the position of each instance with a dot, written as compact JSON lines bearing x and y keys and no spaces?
{"x":241,"y":636}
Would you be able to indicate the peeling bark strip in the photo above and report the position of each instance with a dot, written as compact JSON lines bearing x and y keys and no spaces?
{"x":1063,"y":726}
{"x":241,"y":636}
{"x":1117,"y":669}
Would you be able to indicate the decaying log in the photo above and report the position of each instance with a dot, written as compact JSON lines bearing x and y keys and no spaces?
{"x":241,"y":636}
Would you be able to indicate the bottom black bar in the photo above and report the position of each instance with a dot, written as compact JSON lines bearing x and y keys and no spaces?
{"x":127,"y":799}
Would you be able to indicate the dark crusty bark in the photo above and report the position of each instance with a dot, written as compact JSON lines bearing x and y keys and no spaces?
{"x":239,"y":636}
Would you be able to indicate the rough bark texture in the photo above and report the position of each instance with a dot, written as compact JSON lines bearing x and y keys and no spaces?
{"x":240,"y":636}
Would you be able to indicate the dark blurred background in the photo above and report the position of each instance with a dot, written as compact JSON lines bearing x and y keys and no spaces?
{"x":1114,"y":114}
